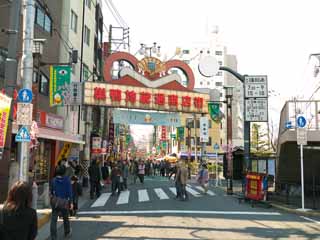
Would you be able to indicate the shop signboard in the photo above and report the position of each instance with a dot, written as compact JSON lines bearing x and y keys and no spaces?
{"x":122,"y":96}
{"x":204,"y":132}
{"x":96,"y":145}
{"x":60,"y":92}
{"x":65,"y":152}
{"x":5,"y":102}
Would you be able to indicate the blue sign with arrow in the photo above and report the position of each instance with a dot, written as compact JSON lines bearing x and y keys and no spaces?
{"x":288,"y":125}
{"x":25,"y":95}
{"x":301,"y":121}
{"x":23,"y":135}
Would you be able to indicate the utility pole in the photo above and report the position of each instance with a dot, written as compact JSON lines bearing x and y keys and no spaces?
{"x":229,"y":140}
{"x":195,"y":137}
{"x":10,"y":84}
{"x":27,"y":74}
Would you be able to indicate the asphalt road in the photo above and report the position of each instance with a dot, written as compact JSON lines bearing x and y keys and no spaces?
{"x":146,"y":213}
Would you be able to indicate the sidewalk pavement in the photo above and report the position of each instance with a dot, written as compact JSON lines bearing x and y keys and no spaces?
{"x":237,"y":189}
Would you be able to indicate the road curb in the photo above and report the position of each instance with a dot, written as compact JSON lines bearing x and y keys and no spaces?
{"x":310,"y":213}
{"x":43,"y":219}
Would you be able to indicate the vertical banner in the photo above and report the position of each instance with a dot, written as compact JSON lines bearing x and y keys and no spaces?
{"x":214,"y":111}
{"x":5,"y":102}
{"x":60,"y":92}
{"x":180,"y":133}
{"x":204,"y":131}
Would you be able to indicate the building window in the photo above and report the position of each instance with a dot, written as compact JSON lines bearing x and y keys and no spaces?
{"x":74,"y":21}
{"x":87,"y":35}
{"x":220,"y":63}
{"x":85,"y":72}
{"x":42,"y":19}
{"x":219,"y":73}
{"x":219,"y":53}
{"x":3,"y":56}
{"x":218,"y":84}
{"x":88,"y":3}
{"x":44,"y":85}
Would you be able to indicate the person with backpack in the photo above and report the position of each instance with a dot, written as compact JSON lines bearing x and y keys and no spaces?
{"x":61,"y":202}
{"x":18,"y":221}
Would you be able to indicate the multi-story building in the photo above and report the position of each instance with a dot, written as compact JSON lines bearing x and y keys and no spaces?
{"x":213,"y":47}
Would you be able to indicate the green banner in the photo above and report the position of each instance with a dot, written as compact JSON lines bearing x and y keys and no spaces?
{"x":60,"y":78}
{"x":173,"y":136}
{"x":180,"y":133}
{"x":214,"y":111}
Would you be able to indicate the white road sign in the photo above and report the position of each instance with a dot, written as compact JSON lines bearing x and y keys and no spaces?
{"x":256,"y":110}
{"x":302,"y":136}
{"x":204,"y":129}
{"x":24,"y":114}
{"x":256,"y":87}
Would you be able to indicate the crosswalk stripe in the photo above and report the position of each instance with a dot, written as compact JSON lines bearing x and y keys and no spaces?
{"x":173,"y":190}
{"x":209,"y":192}
{"x":161,"y":194}
{"x":101,"y":201}
{"x":143,"y":195}
{"x":193,"y":192}
{"x":123,"y":198}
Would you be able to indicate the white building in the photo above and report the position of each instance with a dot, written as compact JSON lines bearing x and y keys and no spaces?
{"x":213,"y":47}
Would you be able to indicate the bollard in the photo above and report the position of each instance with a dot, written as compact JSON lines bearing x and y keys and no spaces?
{"x":34,"y":195}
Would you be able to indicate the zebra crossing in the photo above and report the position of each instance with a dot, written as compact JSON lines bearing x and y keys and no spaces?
{"x":144,"y":195}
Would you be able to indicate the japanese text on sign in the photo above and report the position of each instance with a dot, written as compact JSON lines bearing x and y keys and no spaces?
{"x":256,"y":87}
{"x":256,"y":110}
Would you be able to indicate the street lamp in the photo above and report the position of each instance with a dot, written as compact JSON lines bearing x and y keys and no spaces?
{"x":148,"y":51}
{"x":229,"y":95}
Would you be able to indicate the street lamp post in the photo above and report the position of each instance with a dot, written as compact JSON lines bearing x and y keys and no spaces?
{"x":229,"y":94}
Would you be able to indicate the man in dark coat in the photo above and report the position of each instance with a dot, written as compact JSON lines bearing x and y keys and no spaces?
{"x":95,"y":177}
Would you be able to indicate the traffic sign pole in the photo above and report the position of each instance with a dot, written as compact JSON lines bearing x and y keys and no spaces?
{"x":217,"y":177}
{"x":302,"y":177}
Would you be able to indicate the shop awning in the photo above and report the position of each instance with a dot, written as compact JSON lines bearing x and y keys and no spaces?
{"x":53,"y":134}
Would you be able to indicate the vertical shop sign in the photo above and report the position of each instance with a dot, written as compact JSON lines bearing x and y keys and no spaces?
{"x":4,"y":117}
{"x":60,"y":92}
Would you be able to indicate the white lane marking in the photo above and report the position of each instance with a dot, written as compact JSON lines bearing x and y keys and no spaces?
{"x":101,"y":201}
{"x":123,"y":198}
{"x":173,"y":190}
{"x":311,"y":220}
{"x":193,"y":192}
{"x":161,"y":194}
{"x":143,"y":195}
{"x":179,"y":212}
{"x":209,"y":192}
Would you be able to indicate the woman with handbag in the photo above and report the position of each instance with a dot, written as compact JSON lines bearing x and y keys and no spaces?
{"x":61,"y":202}
{"x":18,"y":221}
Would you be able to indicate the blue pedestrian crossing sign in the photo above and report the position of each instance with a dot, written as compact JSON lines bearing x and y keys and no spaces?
{"x":216,"y":146}
{"x":23,"y":135}
{"x":25,"y":95}
{"x":301,"y":122}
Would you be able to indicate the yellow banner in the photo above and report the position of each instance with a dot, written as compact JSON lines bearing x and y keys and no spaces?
{"x":5,"y":102}
{"x":64,"y":153}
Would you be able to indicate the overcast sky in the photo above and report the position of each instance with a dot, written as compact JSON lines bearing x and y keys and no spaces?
{"x":272,"y":37}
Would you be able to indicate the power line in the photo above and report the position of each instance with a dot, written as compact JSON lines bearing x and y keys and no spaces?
{"x":115,"y":17}
{"x":118,"y":14}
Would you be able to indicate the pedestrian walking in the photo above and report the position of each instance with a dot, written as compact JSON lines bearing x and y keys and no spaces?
{"x":105,"y":172}
{"x":69,"y":169}
{"x":135,"y":170}
{"x":141,"y":171}
{"x":76,"y":192}
{"x":115,"y":180}
{"x":203,"y":178}
{"x":61,"y":202}
{"x":18,"y":221}
{"x":95,"y":178}
{"x":183,"y":181}
{"x":177,"y":180}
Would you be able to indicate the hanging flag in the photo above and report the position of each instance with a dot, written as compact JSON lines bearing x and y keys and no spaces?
{"x":214,"y":111}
